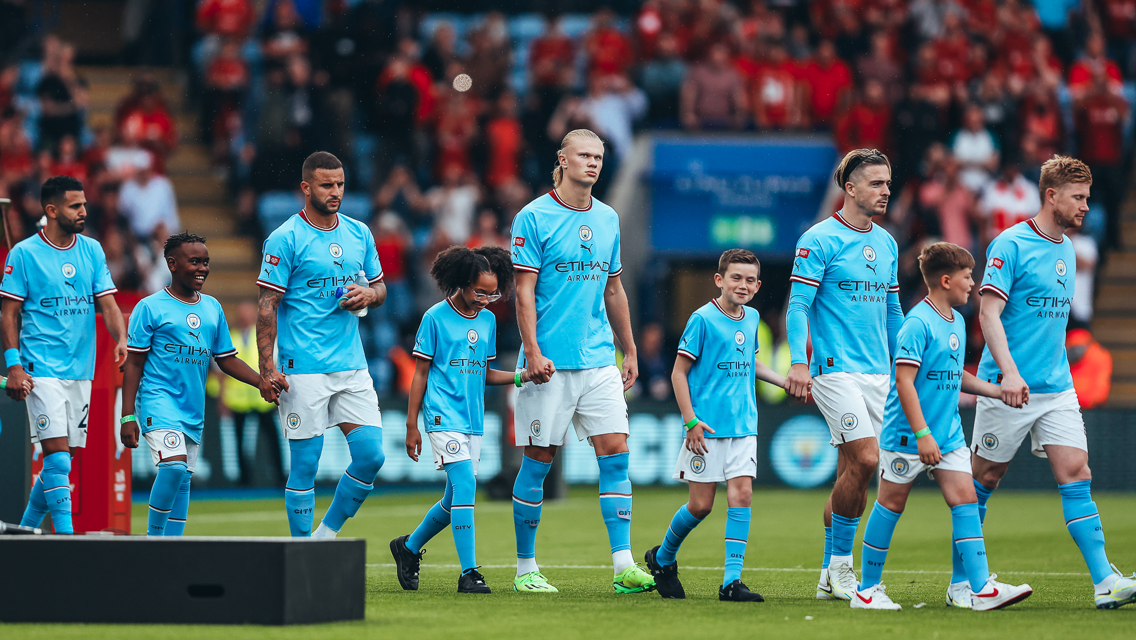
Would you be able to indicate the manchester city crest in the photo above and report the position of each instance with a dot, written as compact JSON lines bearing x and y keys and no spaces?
{"x":293,"y":421}
{"x":68,"y":270}
{"x":336,"y":250}
{"x":869,"y":253}
{"x":848,"y":421}
{"x":172,"y":440}
{"x":899,"y":467}
{"x":953,"y":341}
{"x":989,"y":442}
{"x":1061,"y":270}
{"x":585,"y":233}
{"x":452,"y":447}
{"x":42,"y":422}
{"x":193,"y":320}
{"x":471,"y":335}
{"x":698,"y":464}
{"x":739,"y":337}
{"x":535,"y":428}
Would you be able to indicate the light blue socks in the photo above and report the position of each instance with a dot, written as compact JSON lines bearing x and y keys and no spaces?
{"x":528,"y":498}
{"x":970,"y":547}
{"x":615,"y":500}
{"x":460,"y":475}
{"x":163,"y":494}
{"x":1084,"y":524}
{"x":300,"y":490}
{"x":681,"y":525}
{"x":877,"y":541}
{"x":57,"y":490}
{"x":176,"y":524}
{"x":827,"y":547}
{"x":843,"y":533}
{"x":737,"y":537}
{"x":366,"y":446}
{"x":36,"y":510}
{"x":437,"y":518}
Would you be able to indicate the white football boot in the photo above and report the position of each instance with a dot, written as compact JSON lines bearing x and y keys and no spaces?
{"x":874,"y":597}
{"x":958,"y":595}
{"x":842,"y":580}
{"x":1122,"y":592}
{"x":824,"y":590}
{"x":996,"y":595}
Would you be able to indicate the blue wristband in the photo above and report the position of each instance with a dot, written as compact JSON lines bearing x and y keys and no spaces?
{"x":12,"y":358}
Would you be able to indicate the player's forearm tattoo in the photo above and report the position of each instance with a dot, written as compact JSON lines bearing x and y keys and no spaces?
{"x":266,"y":327}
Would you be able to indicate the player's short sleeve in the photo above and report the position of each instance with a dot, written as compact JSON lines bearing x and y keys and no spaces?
{"x":756,"y":337}
{"x":998,"y":278}
{"x":223,"y":341}
{"x":372,"y":268}
{"x":140,"y":331}
{"x":276,"y":265}
{"x":426,"y":341}
{"x":893,"y":282}
{"x":526,"y":243}
{"x":102,"y":284}
{"x":616,"y":266}
{"x":690,"y":344}
{"x":15,"y":284}
{"x":912,"y":341}
{"x":491,"y":341}
{"x":808,"y":261}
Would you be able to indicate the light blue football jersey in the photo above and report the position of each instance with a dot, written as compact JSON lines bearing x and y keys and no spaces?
{"x":854,"y":271}
{"x":58,"y":286}
{"x":1034,"y":273}
{"x":935,"y":343}
{"x":459,"y":349}
{"x":179,"y":339}
{"x":306,"y":264}
{"x":722,"y":380}
{"x":574,"y":251}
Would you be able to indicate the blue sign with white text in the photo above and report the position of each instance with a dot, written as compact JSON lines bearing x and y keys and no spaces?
{"x":711,"y":194}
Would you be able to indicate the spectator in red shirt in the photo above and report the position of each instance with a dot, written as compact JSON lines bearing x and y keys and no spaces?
{"x":68,"y":162}
{"x":1091,"y":61}
{"x":608,"y":50}
{"x":1100,"y":115}
{"x":827,"y":81}
{"x":504,"y":141}
{"x":1118,"y":19}
{"x":776,"y":96}
{"x":226,"y":18}
{"x":551,"y":57}
{"x":150,"y":124}
{"x":457,"y":125}
{"x":881,"y":64}
{"x":952,"y":50}
{"x":713,"y":95}
{"x":867,"y":124}
{"x":226,"y":81}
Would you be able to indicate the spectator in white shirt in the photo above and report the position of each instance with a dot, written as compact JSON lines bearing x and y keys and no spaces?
{"x":975,"y":149}
{"x":148,"y":202}
{"x":1086,"y":250}
{"x":1010,"y":199}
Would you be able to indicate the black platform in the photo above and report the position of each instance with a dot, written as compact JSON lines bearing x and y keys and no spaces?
{"x":181,"y":580}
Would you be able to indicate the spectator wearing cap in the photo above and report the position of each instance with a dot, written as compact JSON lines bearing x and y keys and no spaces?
{"x":1091,"y":367}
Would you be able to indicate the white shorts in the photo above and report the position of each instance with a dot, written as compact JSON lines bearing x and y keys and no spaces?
{"x":1049,"y":418}
{"x":903,"y":468}
{"x":316,"y":402}
{"x":852,"y":404}
{"x":167,"y":443}
{"x":725,"y":458}
{"x":451,"y":446}
{"x":58,"y":409}
{"x":590,"y":399}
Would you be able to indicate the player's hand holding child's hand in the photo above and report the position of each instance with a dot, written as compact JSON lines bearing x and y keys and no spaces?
{"x":696,"y":438}
{"x":413,"y":440}
{"x":19,"y":384}
{"x":129,"y":435}
{"x":539,"y":369}
{"x":798,"y":382}
{"x":1015,"y":391}
{"x":272,"y":383}
{"x":928,"y":450}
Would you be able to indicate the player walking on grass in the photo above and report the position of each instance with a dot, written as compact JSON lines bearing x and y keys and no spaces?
{"x":566,"y":253}
{"x":455,"y":344}
{"x":714,"y":379}
{"x":52,"y":283}
{"x":1026,"y":295}
{"x":922,"y":430}
{"x":173,"y":334}
{"x":845,"y":292}
{"x":306,"y":260}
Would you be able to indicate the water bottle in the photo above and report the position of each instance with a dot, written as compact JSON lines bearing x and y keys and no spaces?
{"x":340,"y":292}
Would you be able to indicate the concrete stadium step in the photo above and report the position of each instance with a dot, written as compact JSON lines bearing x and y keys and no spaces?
{"x":199,"y":189}
{"x":1115,"y":332}
{"x":1121,"y":265}
{"x":1122,"y":395}
{"x":189,"y":159}
{"x":1115,"y":299}
{"x":1124,"y":363}
{"x":231,"y":286}
{"x":235,"y":253}
{"x":211,"y":221}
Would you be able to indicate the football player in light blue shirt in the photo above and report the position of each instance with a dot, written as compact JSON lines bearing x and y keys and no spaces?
{"x":715,"y":377}
{"x":922,"y":430}
{"x":456,"y":343}
{"x":308,"y":290}
{"x":570,"y":306}
{"x":173,"y":335}
{"x":1026,"y":292}
{"x":845,"y":294}
{"x":53,"y":282}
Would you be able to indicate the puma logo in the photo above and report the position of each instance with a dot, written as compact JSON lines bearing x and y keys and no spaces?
{"x":872,"y":267}
{"x":267,"y":272}
{"x":905,"y":349}
{"x":338,"y":263}
{"x":589,"y":249}
{"x":1062,"y":283}
{"x":68,"y":283}
{"x":955,"y":358}
{"x":195,"y":336}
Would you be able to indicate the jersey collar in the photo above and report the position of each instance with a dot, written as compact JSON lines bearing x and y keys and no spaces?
{"x":454,"y":307}
{"x":74,"y":239}
{"x":568,"y":206}
{"x":304,"y":215}
{"x":1038,"y":231}
{"x":171,"y":294}
{"x":839,"y":215}
{"x":941,"y":315}
{"x":735,"y":319}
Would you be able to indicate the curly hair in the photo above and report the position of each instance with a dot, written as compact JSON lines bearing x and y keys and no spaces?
{"x":459,"y":267}
{"x":178,"y":239}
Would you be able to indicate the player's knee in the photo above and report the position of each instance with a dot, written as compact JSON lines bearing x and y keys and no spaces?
{"x":460,"y":475}
{"x":699,"y":511}
{"x":366,"y":446}
{"x":57,"y":463}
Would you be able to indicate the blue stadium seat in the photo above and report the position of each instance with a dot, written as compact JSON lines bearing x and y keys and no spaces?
{"x":526,"y":26}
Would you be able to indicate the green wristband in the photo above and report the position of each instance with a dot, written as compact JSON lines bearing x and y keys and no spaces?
{"x":925,"y":431}
{"x":517,"y":380}
{"x":692,"y":424}
{"x":129,"y":418}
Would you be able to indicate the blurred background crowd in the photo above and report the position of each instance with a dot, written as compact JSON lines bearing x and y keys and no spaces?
{"x":967,"y":97}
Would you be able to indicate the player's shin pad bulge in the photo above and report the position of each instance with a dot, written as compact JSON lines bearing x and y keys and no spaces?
{"x":589,"y":399}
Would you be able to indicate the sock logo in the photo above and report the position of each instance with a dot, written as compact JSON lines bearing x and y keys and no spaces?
{"x":452,"y":447}
{"x":302,"y":512}
{"x":293,"y":421}
{"x":698,"y":464}
{"x":624,"y":513}
{"x":900,"y":467}
{"x":989,"y":441}
{"x":532,"y":523}
{"x":42,"y":422}
{"x":535,"y":428}
{"x":848,"y":421}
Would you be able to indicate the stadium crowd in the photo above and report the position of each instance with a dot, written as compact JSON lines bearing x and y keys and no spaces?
{"x":967,"y":97}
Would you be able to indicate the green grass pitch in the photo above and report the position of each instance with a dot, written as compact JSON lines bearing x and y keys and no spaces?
{"x":1026,"y":540}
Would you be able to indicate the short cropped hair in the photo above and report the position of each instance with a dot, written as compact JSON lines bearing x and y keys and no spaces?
{"x":52,"y":191}
{"x":176,"y":240}
{"x":854,"y":161}
{"x":319,"y":160}
{"x":737,"y":256}
{"x":942,"y":258}
{"x":1059,"y":171}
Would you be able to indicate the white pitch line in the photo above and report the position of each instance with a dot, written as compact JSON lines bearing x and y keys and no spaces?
{"x":765,"y":569}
